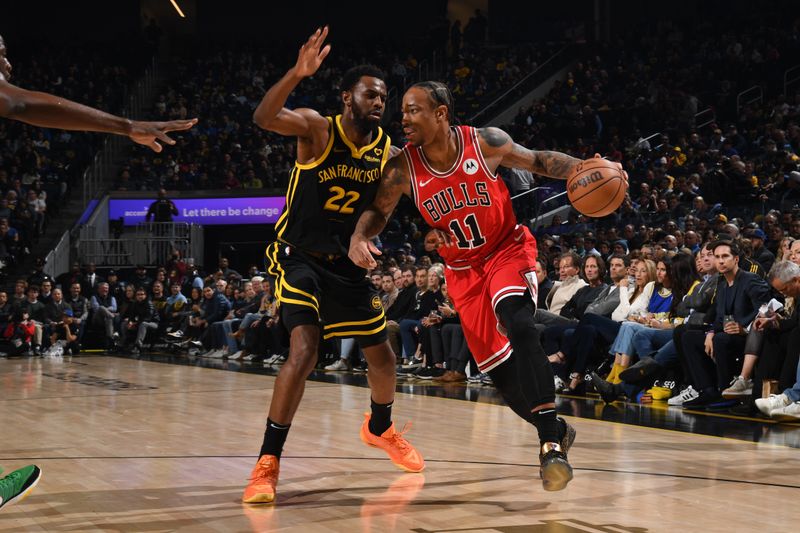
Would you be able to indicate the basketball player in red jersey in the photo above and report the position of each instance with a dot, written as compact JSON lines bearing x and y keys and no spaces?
{"x":450,"y":174}
{"x":47,"y":110}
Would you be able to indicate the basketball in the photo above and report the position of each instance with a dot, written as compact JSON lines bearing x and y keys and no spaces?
{"x":597,"y":188}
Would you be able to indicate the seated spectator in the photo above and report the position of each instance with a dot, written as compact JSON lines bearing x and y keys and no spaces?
{"x":137,"y":319}
{"x":175,"y":310}
{"x":557,"y":340}
{"x":785,"y":407}
{"x":104,"y":311}
{"x":222,"y":341}
{"x":655,"y":332}
{"x":213,"y":309}
{"x":58,"y":319}
{"x":17,"y":335}
{"x":46,"y":293}
{"x":739,"y":296}
{"x":409,"y":323}
{"x":429,"y":324}
{"x":778,"y":359}
{"x":760,"y":253}
{"x":593,"y":330}
{"x":35,"y":311}
{"x":655,"y":355}
{"x":593,"y":272}
{"x":80,"y":312}
{"x":656,"y":315}
{"x":569,"y":265}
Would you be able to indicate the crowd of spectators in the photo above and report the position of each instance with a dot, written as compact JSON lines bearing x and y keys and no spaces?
{"x":224,"y":83}
{"x":40,"y":167}
{"x":707,"y":198}
{"x":180,"y":306}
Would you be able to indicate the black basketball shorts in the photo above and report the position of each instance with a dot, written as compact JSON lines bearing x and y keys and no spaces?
{"x":330,"y":291}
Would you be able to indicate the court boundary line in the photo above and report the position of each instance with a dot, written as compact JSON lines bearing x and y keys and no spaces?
{"x":440,"y":461}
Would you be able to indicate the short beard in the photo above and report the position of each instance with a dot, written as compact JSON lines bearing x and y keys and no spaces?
{"x":364,"y":125}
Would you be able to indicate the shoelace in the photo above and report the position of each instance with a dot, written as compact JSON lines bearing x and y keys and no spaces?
{"x":398,"y":440}
{"x":10,"y":479}
{"x":262,"y":472}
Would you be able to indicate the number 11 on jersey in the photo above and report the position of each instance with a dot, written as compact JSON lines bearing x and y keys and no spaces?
{"x":475,"y":231}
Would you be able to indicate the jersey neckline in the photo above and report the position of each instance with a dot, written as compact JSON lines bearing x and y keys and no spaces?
{"x":354,"y":150}
{"x":456,"y":163}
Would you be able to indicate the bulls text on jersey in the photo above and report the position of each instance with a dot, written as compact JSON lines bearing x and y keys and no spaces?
{"x":465,"y":195}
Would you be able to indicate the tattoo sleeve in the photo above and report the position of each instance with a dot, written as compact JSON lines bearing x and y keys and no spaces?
{"x":512,"y":155}
{"x":553,"y":164}
{"x":494,"y":137}
{"x":394,"y":183}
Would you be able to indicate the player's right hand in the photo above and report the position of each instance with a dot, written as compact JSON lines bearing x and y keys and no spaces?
{"x":149,"y":133}
{"x":312,"y":53}
{"x":361,"y":252}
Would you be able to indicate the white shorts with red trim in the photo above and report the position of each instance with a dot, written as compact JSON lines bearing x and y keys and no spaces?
{"x":478,"y":289}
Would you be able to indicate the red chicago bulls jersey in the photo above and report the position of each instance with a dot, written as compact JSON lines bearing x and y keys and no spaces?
{"x":467,"y":201}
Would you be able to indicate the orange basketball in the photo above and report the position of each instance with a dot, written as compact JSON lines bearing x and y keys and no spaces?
{"x":597,"y":188}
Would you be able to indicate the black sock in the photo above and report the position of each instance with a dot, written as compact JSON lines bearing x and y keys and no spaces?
{"x":274,"y":437}
{"x":548,"y":425}
{"x":381,"y":417}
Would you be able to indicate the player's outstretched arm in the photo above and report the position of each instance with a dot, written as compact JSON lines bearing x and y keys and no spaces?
{"x":395,"y":182}
{"x":270,"y":113}
{"x":50,"y":111}
{"x":498,"y":146}
{"x":500,"y":149}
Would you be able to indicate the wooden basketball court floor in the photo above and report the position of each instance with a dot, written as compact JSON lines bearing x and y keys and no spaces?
{"x":142,"y":446}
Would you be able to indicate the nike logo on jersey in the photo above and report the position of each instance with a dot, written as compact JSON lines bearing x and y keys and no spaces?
{"x":424,"y":183}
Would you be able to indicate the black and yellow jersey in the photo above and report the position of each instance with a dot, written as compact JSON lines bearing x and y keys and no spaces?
{"x":326,"y":197}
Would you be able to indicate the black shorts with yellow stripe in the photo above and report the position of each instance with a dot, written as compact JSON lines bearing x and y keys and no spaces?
{"x":327,"y":290}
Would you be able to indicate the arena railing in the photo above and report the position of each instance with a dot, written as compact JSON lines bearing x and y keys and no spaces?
{"x":790,"y":76}
{"x":150,"y":244}
{"x":749,"y":96}
{"x":528,"y":82}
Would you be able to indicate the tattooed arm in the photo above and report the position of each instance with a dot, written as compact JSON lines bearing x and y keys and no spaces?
{"x":500,"y":150}
{"x":394,"y":183}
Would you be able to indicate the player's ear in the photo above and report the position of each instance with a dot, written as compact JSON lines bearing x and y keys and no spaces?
{"x":347,"y":98}
{"x":441,"y":113}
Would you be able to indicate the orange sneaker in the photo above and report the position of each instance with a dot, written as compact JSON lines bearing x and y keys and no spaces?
{"x":263,"y":480}
{"x":400,"y":451}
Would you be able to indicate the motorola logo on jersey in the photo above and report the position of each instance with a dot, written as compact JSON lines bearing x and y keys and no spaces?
{"x":470,"y":166}
{"x":455,"y":198}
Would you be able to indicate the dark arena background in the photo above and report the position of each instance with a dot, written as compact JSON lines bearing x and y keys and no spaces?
{"x":670,"y":325}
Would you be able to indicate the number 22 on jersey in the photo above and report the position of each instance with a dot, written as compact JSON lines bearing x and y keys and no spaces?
{"x":335,"y":203}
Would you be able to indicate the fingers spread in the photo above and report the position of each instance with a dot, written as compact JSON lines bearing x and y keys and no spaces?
{"x":325,"y":51}
{"x":164,"y":137}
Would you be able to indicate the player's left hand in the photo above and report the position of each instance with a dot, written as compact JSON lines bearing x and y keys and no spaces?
{"x":621,"y":169}
{"x":149,"y":133}
{"x":361,"y":252}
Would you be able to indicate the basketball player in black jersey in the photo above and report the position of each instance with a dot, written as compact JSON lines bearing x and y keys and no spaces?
{"x":47,"y":110}
{"x":320,"y":291}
